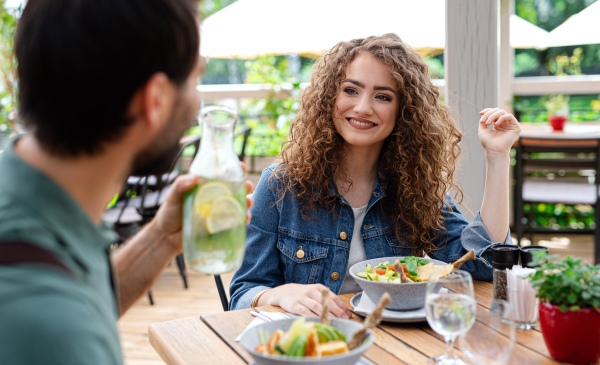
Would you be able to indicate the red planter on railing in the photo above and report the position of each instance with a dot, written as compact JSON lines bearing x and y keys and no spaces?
{"x":557,"y":123}
{"x":572,"y":336}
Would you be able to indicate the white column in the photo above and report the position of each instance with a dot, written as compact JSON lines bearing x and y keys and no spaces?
{"x":507,"y":54}
{"x":471,"y":62}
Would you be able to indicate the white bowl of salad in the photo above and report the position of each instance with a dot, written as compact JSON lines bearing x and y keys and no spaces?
{"x":305,"y":341}
{"x":377,"y":276}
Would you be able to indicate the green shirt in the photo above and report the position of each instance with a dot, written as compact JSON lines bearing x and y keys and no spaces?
{"x":46,"y":315}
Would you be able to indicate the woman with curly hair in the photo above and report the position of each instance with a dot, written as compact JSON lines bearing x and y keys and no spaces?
{"x":366,"y":173}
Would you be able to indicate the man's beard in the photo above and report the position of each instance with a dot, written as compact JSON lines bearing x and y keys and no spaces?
{"x":159,"y":156}
{"x":155,"y":161}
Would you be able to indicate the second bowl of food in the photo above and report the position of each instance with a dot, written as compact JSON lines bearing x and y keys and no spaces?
{"x":377,"y":276}
{"x":305,"y":341}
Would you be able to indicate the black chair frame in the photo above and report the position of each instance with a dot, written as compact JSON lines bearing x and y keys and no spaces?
{"x":572,"y":147}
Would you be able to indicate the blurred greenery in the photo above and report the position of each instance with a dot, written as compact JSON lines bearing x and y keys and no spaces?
{"x":556,"y":216}
{"x":532,"y":109}
{"x":8,"y":76}
{"x":270,"y":117}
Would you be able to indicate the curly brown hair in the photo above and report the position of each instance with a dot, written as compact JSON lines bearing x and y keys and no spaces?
{"x":417,"y":161}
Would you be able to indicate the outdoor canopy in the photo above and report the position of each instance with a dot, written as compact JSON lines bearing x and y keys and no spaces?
{"x":248,"y":28}
{"x":581,"y":28}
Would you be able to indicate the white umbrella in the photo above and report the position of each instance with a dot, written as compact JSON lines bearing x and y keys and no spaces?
{"x":524,"y":34}
{"x":248,"y":28}
{"x":581,"y":28}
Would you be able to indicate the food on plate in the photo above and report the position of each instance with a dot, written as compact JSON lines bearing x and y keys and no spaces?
{"x":304,"y":338}
{"x":398,"y":268}
{"x":414,"y":269}
{"x":426,"y":271}
{"x":385,"y":272}
{"x":439,"y":271}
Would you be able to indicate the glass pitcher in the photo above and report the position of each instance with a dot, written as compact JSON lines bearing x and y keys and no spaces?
{"x":214,"y":213}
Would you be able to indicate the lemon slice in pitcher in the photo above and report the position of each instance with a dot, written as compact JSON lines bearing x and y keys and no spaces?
{"x":225,"y":213}
{"x":208,"y":193}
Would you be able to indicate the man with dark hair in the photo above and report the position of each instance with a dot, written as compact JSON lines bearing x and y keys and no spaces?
{"x":107,"y":88}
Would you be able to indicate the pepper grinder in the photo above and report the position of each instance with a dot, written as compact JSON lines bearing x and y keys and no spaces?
{"x":503,"y":258}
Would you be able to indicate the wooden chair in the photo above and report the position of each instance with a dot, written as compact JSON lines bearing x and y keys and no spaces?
{"x":574,"y":154}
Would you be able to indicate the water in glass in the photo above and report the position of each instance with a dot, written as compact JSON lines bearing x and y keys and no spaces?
{"x":450,"y":310}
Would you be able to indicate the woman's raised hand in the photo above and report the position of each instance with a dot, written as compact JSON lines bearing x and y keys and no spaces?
{"x":304,"y":299}
{"x":506,"y":130}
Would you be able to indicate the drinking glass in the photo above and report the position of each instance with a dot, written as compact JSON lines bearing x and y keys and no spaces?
{"x":214,"y":216}
{"x":492,"y":339}
{"x":450,"y":310}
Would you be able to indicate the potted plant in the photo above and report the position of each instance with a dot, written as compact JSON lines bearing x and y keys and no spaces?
{"x":569,"y":293}
{"x":558,"y":111}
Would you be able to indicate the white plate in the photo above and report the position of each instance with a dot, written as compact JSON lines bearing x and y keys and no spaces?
{"x":391,"y":315}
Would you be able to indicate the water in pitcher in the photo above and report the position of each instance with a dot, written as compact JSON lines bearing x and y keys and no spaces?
{"x":214,"y":216}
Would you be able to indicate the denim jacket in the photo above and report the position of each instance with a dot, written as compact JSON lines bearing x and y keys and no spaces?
{"x":278,"y":232}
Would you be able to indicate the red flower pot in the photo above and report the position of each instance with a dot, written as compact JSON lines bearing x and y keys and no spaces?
{"x":557,"y":123}
{"x":572,"y":336}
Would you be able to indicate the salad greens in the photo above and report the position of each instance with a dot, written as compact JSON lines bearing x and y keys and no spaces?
{"x":384,"y":272}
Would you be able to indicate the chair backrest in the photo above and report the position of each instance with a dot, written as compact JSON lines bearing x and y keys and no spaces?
{"x":245,"y":133}
{"x":573,"y":153}
{"x":568,"y":159}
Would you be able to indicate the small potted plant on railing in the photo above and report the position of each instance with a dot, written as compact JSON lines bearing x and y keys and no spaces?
{"x":558,"y":111}
{"x":569,"y":293}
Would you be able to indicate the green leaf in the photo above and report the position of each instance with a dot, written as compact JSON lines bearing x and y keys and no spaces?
{"x":572,"y":298}
{"x":411,"y":265}
{"x":563,"y":308}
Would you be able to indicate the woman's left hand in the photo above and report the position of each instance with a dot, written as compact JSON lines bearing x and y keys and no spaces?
{"x":506,"y":130}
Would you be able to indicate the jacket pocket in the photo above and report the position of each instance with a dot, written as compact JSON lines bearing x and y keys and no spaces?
{"x":303,"y":259}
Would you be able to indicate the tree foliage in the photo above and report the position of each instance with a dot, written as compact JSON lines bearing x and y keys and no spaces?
{"x":8,"y":76}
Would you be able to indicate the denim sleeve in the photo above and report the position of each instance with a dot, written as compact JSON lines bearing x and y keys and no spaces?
{"x":260,"y":268}
{"x":463,"y":237}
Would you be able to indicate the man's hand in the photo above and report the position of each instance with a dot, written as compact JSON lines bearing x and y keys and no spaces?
{"x":169,"y":217}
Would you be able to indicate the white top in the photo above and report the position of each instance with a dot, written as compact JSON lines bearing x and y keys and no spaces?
{"x":357,"y":251}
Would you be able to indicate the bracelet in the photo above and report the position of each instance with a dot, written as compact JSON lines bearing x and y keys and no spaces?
{"x":257,"y":297}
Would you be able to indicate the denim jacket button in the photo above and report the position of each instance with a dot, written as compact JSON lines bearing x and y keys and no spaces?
{"x":335,"y":276}
{"x":376,"y":195}
{"x":300,"y":254}
{"x":343,"y":235}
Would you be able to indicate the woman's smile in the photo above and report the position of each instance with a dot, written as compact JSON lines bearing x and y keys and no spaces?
{"x":361,"y":123}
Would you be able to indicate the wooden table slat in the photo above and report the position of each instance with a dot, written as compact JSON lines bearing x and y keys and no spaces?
{"x":190,"y":342}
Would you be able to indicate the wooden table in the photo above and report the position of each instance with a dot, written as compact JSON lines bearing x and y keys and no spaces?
{"x":210,"y":339}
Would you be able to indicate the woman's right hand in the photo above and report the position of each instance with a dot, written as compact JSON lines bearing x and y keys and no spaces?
{"x":304,"y":299}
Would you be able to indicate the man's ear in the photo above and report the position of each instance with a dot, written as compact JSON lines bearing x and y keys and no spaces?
{"x":155,"y":100}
